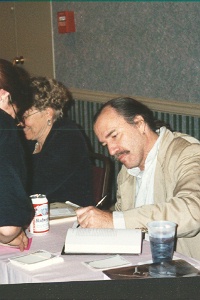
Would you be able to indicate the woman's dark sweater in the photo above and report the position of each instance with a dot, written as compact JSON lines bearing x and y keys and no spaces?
{"x":62,"y":170}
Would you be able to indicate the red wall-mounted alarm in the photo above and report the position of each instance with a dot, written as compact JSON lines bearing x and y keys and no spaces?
{"x":66,"y":23}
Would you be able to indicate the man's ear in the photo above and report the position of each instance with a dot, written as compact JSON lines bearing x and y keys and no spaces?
{"x":140,"y":123}
{"x":138,"y":120}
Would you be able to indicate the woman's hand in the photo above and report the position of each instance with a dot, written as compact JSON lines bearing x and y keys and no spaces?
{"x":20,"y":241}
{"x":13,"y":236}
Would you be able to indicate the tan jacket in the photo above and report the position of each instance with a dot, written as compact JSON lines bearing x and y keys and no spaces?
{"x":176,"y":192}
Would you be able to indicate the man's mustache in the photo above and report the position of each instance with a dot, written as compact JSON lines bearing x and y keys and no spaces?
{"x":116,"y":156}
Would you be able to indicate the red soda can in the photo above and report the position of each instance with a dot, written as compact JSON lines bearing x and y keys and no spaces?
{"x":40,"y":222}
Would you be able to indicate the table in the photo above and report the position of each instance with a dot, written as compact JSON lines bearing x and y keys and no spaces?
{"x":73,"y":276}
{"x":71,"y":269}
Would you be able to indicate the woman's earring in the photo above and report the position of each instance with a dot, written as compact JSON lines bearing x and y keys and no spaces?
{"x":49,"y":122}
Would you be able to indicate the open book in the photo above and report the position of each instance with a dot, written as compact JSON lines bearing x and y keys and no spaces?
{"x":102,"y":241}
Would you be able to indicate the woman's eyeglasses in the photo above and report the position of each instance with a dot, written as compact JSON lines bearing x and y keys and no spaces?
{"x":27,"y":116}
{"x":22,"y":122}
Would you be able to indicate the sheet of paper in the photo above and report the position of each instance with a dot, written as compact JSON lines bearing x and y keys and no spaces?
{"x":72,"y":204}
{"x":115,"y":261}
{"x":59,"y":210}
{"x":62,"y":212}
{"x":34,"y":257}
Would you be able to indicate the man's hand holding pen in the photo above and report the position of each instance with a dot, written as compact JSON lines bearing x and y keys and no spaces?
{"x":92,"y":217}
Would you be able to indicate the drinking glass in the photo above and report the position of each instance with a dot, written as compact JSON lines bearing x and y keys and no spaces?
{"x":161,"y":236}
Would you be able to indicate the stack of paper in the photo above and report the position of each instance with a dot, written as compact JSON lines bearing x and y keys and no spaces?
{"x":35,"y":260}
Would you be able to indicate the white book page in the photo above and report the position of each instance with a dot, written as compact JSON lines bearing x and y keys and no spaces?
{"x":90,"y":240}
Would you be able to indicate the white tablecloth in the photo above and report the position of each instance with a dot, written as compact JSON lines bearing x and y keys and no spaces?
{"x":72,"y":269}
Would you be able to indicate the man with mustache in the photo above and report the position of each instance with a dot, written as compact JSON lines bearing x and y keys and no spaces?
{"x":160,"y":176}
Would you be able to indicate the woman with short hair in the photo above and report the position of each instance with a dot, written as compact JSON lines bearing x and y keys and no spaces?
{"x":61,"y":167}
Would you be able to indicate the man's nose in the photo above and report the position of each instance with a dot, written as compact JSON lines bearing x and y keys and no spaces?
{"x":112,"y":148}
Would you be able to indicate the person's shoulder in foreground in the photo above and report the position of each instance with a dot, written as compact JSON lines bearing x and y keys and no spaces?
{"x":16,"y":210}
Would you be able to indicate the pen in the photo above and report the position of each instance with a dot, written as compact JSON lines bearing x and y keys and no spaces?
{"x":101,"y":201}
{"x":96,"y":206}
